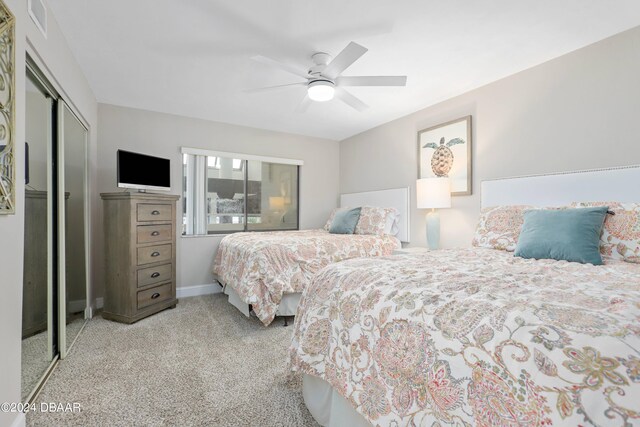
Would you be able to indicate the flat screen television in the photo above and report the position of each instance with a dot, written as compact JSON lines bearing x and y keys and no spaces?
{"x":143,"y":172}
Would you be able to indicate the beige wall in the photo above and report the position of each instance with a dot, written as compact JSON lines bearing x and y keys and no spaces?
{"x":55,"y":58}
{"x":163,"y":134}
{"x":575,"y":112}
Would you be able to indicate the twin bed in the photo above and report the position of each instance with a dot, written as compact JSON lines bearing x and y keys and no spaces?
{"x":478,"y":336}
{"x":470,"y":337}
{"x":267,"y":272}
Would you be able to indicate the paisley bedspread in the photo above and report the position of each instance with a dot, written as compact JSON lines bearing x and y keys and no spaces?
{"x":475,"y":337}
{"x":261,"y":267}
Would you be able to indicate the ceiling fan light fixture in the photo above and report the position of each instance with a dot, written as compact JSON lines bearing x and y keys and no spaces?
{"x":321,"y":90}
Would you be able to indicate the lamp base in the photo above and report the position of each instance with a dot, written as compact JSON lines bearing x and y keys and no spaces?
{"x":433,"y":230}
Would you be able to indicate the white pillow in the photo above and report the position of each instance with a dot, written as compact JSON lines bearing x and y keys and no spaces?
{"x":392,"y":225}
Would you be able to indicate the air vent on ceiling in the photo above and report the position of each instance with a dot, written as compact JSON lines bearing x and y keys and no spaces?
{"x":38,"y":12}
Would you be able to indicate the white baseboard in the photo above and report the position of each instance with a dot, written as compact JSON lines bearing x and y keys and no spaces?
{"x":194,"y":291}
{"x":20,"y":420}
{"x":183,"y":292}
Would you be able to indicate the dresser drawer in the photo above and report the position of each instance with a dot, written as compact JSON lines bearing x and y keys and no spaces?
{"x":154,"y":295}
{"x":156,"y":253}
{"x":153,"y":233}
{"x":151,"y":275}
{"x":152,"y":212}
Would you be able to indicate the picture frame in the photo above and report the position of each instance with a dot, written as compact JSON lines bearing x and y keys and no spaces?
{"x":446,"y":150}
{"x":7,"y":112}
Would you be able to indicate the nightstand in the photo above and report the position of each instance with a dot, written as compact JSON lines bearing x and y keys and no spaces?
{"x":411,"y":250}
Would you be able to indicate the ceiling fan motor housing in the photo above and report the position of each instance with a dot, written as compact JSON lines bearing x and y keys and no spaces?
{"x":320,"y":60}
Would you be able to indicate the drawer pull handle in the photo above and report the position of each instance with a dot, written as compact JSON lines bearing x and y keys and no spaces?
{"x":155,"y":254}
{"x":154,"y":275}
{"x":154,"y":296}
{"x":155,"y":212}
{"x":155,"y":233}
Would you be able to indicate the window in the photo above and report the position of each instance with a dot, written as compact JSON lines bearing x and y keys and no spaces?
{"x":227,"y":192}
{"x":214,"y":163}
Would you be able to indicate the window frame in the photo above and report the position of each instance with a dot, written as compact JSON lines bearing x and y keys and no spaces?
{"x":245,"y":158}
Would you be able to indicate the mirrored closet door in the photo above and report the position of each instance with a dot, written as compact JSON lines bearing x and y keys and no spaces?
{"x":56,"y":261}
{"x":72,"y":154}
{"x":39,"y":331}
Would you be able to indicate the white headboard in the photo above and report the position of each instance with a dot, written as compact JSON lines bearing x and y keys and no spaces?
{"x":621,"y":184}
{"x":395,"y":198}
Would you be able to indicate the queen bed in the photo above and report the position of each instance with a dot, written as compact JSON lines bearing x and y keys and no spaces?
{"x":266,"y":272}
{"x":477,"y":336}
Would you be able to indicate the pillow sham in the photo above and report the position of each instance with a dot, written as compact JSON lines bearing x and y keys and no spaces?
{"x":564,"y":235}
{"x":620,"y":237}
{"x":499,"y":227}
{"x":344,"y":222}
{"x":377,"y":221}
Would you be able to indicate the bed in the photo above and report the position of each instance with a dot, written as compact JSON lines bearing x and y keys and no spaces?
{"x":477,"y":336}
{"x":266,"y":272}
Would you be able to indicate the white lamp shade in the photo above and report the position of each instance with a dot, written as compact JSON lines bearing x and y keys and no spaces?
{"x":433,"y":193}
{"x":276,"y":203}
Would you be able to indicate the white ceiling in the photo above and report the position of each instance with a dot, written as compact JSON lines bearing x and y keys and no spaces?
{"x":192,"y":57}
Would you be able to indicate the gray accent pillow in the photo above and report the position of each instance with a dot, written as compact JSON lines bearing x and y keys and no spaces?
{"x":344,"y":222}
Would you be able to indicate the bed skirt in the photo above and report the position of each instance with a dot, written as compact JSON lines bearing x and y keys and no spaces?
{"x":287,"y":307}
{"x":327,"y":406}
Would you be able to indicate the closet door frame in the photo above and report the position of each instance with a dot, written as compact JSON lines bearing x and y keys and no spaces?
{"x":62,"y":106}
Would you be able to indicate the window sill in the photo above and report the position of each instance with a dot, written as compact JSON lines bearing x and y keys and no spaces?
{"x":196,"y":236}
{"x":193,"y":236}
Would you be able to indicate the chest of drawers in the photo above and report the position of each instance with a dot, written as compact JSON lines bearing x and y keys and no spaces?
{"x":140,"y":255}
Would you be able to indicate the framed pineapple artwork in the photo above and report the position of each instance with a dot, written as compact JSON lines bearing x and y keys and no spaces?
{"x":445,"y":151}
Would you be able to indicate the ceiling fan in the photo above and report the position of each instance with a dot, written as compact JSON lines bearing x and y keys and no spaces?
{"x":324,"y":81}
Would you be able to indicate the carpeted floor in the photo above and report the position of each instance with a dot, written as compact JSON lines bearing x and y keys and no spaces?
{"x":35,"y":352}
{"x":201,"y":364}
{"x":35,"y":361}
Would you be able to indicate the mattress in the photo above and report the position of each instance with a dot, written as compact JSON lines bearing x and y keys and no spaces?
{"x":262,"y":267}
{"x":474,"y":336}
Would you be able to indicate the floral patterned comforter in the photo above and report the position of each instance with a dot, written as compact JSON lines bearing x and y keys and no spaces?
{"x":475,"y":337}
{"x":261,"y":267}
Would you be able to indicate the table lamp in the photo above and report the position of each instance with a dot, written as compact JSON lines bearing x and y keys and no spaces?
{"x":433,"y":193}
{"x":277,"y":205}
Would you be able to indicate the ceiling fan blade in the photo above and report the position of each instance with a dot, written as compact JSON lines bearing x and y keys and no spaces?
{"x":281,"y":65}
{"x":350,"y":100}
{"x":304,"y":104}
{"x":348,"y":56}
{"x":270,"y":88}
{"x":372,"y":81}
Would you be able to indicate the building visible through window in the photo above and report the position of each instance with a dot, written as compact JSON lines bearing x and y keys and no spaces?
{"x":227,"y":194}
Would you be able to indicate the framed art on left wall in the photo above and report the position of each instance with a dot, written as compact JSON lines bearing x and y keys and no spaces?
{"x":7,"y":112}
{"x":445,"y":151}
